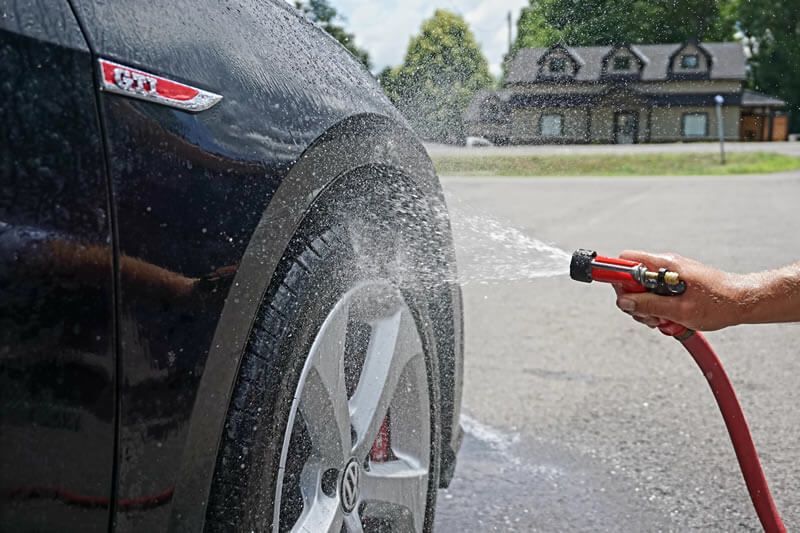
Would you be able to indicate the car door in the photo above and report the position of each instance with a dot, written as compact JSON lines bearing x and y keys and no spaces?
{"x":57,"y":367}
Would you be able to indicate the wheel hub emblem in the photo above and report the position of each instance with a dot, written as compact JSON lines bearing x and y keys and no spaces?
{"x":349,"y":488}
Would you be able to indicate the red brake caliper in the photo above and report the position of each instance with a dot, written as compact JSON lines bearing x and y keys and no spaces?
{"x":382,"y":447}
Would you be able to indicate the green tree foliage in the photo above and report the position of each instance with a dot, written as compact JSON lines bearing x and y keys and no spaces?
{"x":605,"y":22}
{"x":772,"y":32}
{"x":442,"y":70}
{"x":321,"y":12}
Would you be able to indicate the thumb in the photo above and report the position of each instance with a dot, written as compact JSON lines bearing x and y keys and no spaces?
{"x":648,"y":304}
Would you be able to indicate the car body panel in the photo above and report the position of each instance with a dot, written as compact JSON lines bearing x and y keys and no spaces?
{"x":57,"y":368}
{"x":192,"y":199}
{"x":190,"y":190}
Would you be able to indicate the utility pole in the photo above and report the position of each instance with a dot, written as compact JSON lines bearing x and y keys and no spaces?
{"x":719,"y":100}
{"x":509,"y":34}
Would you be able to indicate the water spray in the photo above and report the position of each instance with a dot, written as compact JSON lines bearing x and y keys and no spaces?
{"x":630,"y":276}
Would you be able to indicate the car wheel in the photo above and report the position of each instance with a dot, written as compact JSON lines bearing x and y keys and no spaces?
{"x":334,"y":420}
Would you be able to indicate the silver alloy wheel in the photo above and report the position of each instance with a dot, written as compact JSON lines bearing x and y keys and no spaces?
{"x":342,"y":428}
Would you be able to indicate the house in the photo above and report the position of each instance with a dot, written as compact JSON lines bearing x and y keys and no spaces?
{"x":625,"y":94}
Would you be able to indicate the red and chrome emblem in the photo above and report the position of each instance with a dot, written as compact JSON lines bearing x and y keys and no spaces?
{"x":139,"y":84}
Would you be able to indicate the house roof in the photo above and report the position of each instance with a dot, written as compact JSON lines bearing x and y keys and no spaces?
{"x":481,"y":98}
{"x":757,"y":99}
{"x":728,"y":61}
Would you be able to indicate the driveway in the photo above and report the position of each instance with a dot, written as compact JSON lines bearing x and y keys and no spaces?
{"x":577,"y":418}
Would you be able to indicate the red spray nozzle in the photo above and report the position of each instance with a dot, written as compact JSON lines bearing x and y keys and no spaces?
{"x":587,"y":266}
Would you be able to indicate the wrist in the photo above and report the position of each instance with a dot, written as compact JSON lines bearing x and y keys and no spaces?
{"x":746,"y":296}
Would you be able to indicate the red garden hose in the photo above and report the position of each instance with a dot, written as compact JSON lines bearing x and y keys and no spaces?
{"x":587,"y":266}
{"x":702,"y":353}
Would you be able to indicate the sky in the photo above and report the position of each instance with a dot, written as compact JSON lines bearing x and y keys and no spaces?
{"x":384,"y":27}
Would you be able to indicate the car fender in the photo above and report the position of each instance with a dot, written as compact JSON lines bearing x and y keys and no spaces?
{"x":363,"y":140}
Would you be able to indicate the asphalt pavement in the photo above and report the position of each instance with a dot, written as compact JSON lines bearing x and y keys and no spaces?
{"x":579,"y":419}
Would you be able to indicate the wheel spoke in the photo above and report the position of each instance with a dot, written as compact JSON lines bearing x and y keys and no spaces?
{"x":352,"y":522}
{"x":325,"y":515}
{"x":323,"y":402}
{"x":393,"y":344}
{"x":397,"y":491}
{"x":320,"y":511}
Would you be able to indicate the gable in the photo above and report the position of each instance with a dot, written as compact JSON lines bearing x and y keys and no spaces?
{"x":622,"y":61}
{"x":557,"y":63}
{"x":691,"y":61}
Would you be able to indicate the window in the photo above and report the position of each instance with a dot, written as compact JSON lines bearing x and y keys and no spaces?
{"x":695,"y":125}
{"x":690,"y":61}
{"x":557,"y":65}
{"x":550,"y":125}
{"x":622,"y":63}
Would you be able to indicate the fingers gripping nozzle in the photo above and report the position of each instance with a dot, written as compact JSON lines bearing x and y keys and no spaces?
{"x":587,"y":266}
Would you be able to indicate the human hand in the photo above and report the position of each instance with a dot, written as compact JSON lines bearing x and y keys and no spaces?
{"x":713,"y":299}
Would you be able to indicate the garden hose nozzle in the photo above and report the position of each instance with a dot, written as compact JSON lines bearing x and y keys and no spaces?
{"x":587,"y":266}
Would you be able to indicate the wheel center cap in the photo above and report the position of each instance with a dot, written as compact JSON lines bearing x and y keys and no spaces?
{"x":349,"y":485}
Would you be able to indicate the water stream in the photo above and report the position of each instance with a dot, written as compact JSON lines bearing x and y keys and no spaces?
{"x":490,"y":250}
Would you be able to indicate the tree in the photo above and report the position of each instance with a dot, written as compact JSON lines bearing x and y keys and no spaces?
{"x":321,"y":12}
{"x":772,"y":33}
{"x":442,"y":70}
{"x":606,"y":22}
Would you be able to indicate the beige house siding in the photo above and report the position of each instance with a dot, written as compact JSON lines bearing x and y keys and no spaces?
{"x":667,"y":123}
{"x":659,"y":124}
{"x":525,"y":125}
{"x":602,"y":124}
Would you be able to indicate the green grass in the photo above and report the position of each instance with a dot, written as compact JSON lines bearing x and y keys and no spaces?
{"x":672,"y":164}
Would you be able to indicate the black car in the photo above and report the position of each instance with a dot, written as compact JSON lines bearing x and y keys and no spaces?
{"x":227,"y":296}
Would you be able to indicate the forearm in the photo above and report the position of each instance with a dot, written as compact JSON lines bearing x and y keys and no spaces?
{"x":772,"y":296}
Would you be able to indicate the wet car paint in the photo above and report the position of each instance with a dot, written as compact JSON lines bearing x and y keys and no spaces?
{"x":195,"y":218}
{"x":57,"y":369}
{"x":189,"y":189}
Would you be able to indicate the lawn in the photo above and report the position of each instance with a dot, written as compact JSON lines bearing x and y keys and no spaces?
{"x":674,"y":164}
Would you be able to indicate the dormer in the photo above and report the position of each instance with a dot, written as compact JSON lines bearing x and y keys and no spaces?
{"x":622,"y":61}
{"x":557,"y":63}
{"x":690,"y":62}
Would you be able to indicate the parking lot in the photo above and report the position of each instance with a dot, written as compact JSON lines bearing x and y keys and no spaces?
{"x":579,"y":419}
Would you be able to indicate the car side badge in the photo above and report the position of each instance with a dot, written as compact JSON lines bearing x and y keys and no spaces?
{"x":136,"y":83}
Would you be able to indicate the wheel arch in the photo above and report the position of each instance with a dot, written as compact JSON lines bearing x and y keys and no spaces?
{"x":367,"y":140}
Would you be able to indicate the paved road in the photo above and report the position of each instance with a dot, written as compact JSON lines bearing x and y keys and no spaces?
{"x":578,"y":419}
{"x":788,"y":148}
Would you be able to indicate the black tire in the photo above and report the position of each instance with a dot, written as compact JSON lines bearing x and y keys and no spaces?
{"x":353,"y":234}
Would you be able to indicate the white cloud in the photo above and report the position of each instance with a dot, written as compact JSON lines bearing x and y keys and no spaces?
{"x":384,"y":27}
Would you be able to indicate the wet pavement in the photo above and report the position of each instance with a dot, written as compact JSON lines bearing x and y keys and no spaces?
{"x":506,"y":484}
{"x":578,"y":419}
